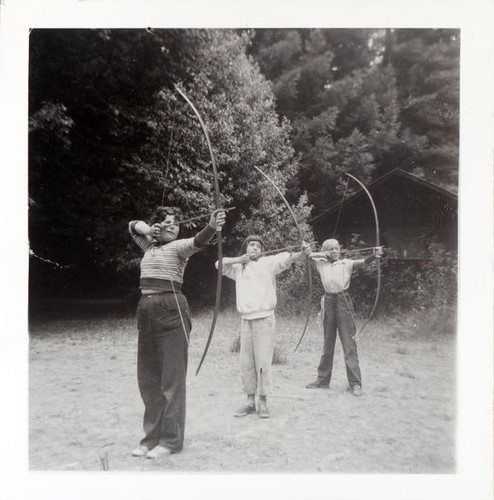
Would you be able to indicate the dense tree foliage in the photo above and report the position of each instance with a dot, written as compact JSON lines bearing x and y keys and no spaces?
{"x":365,"y":101}
{"x":427,"y":67}
{"x":110,"y":139}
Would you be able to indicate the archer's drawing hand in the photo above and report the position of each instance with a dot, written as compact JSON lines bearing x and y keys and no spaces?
{"x":378,"y":252}
{"x":320,"y":256}
{"x":218,"y":219}
{"x":155,"y":230}
{"x":244,"y":258}
{"x":305,"y":248}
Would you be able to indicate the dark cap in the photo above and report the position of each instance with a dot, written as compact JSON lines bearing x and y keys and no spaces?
{"x":252,"y":237}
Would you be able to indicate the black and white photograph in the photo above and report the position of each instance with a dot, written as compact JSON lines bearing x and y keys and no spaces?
{"x":249,"y":250}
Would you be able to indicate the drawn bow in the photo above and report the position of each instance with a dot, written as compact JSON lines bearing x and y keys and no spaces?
{"x":377,"y":244}
{"x":309,"y":275}
{"x":218,"y":233}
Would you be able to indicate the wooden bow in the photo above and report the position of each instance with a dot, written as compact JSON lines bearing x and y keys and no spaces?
{"x":218,"y":233}
{"x":309,"y":275}
{"x":377,"y":244}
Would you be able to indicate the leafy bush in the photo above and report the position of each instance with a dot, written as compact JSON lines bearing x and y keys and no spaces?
{"x":422,"y":284}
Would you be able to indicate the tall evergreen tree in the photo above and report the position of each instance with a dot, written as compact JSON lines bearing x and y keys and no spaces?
{"x":426,"y":62}
{"x":359,"y":102}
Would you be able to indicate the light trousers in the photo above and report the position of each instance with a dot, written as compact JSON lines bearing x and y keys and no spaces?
{"x":256,"y":354}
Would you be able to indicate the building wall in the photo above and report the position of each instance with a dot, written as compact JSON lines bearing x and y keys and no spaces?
{"x":412,"y":216}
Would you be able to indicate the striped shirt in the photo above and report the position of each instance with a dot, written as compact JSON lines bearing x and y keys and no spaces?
{"x":162,"y":263}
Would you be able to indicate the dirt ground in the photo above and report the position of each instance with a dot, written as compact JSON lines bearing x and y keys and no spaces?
{"x":86,"y":412}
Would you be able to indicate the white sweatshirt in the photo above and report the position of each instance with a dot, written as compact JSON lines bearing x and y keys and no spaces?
{"x":256,"y":284}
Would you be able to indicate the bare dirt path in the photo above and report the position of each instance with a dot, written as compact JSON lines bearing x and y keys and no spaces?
{"x":85,"y":409}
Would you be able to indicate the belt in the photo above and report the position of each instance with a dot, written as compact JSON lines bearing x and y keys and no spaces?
{"x":165,"y":287}
{"x":159,"y":292}
{"x":329,"y":294}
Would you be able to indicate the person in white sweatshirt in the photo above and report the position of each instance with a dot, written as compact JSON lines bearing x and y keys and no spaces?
{"x":255,"y":285}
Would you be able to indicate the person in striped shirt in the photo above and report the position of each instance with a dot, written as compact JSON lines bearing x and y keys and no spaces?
{"x":164,"y":324}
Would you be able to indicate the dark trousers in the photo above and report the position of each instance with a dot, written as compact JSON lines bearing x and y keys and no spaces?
{"x":162,"y":356}
{"x":338,"y":318}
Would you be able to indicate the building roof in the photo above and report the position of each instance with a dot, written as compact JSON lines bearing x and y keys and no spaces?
{"x":385,"y":178}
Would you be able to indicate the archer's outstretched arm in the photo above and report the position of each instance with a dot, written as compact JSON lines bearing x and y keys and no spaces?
{"x":298,"y":256}
{"x":216,"y":223}
{"x":376,"y":254}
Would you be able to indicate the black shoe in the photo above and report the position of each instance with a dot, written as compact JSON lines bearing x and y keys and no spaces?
{"x":245,"y":410}
{"x":316,"y":385}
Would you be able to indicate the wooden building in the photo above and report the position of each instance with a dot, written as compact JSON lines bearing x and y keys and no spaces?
{"x":413,"y":215}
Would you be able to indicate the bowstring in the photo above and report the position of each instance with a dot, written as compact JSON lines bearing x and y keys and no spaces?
{"x":170,"y":144}
{"x":179,"y":312}
{"x":168,"y":161}
{"x":350,"y":308}
{"x":334,"y":232}
{"x":341,"y":206}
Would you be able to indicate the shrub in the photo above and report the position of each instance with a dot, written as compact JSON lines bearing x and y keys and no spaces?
{"x":423,"y":284}
{"x":411,"y":285}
